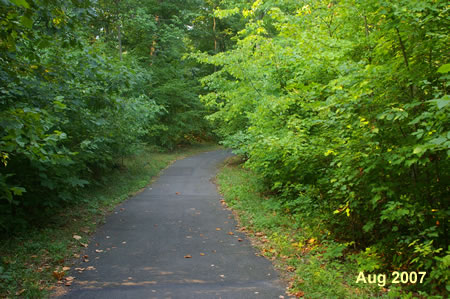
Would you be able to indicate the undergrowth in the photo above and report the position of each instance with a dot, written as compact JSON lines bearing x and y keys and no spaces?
{"x":315,"y":265}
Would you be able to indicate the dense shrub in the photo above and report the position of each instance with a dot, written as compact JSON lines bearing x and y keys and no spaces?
{"x":342,"y":107}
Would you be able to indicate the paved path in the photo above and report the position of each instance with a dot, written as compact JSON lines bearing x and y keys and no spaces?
{"x":140,"y":251}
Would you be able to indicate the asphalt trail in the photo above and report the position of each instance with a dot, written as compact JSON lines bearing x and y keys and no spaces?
{"x":141,"y":250}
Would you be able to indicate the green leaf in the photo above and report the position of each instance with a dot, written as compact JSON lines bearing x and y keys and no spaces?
{"x":418,"y":150}
{"x":22,"y":3}
{"x":18,"y":190}
{"x":27,"y":22}
{"x":441,"y":103}
{"x":445,"y":68}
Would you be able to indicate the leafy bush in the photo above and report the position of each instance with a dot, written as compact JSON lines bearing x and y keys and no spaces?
{"x":342,"y":108}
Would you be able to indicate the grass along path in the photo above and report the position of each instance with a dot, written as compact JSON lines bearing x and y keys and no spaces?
{"x":33,"y":262}
{"x":313,"y":265}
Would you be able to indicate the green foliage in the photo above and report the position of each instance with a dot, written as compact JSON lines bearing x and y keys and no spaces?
{"x":73,"y":107}
{"x":317,"y":269}
{"x":342,"y":107}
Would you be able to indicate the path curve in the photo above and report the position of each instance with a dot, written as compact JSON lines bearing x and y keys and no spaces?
{"x":141,"y":250}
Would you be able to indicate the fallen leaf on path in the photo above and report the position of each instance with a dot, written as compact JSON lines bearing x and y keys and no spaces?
{"x":202,"y":254}
{"x":221,"y":275}
{"x":290,"y":269}
{"x":188,"y":256}
{"x":77,"y":237}
{"x":58,"y":274}
{"x":230,"y":233}
{"x":76,"y":256}
{"x":218,"y":228}
{"x":66,"y":268}
{"x":98,"y":250}
{"x":240,"y":240}
{"x":177,"y":193}
{"x":84,"y":244}
{"x":70,"y":278}
{"x":90,"y":268}
{"x":68,"y":283}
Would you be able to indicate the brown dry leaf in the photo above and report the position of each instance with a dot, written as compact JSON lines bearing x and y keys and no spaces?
{"x":218,"y":228}
{"x":202,"y":254}
{"x":79,"y":269}
{"x":70,"y":278}
{"x":230,"y":233}
{"x":299,"y":294}
{"x":90,"y":268}
{"x":122,"y":209}
{"x":240,"y":240}
{"x":77,"y":237}
{"x":290,"y":269}
{"x":188,"y":256}
{"x":34,"y":256}
{"x":84,"y":244}
{"x":85,"y":230}
{"x":76,"y":256}
{"x":312,"y":240}
{"x":98,"y":250}
{"x":18,"y":293}
{"x":58,"y":274}
{"x":259,"y":234}
{"x":177,"y":193}
{"x":68,"y":283}
{"x":66,"y":268}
